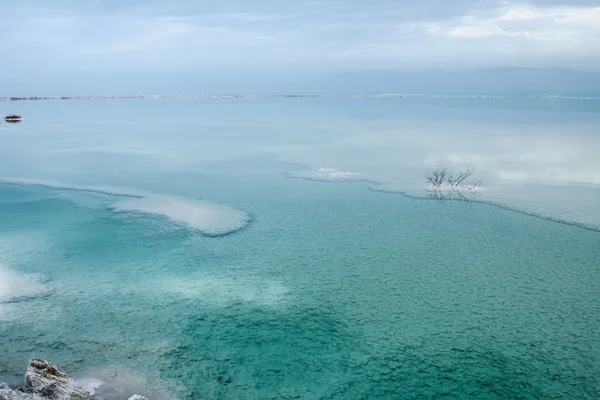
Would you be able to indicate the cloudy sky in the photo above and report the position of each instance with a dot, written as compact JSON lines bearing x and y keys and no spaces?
{"x":182,"y":35}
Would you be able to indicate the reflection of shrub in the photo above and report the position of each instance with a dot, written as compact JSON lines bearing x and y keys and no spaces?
{"x":445,"y":185}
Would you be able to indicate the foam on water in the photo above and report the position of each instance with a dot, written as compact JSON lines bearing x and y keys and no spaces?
{"x":211,"y":219}
{"x":16,"y":286}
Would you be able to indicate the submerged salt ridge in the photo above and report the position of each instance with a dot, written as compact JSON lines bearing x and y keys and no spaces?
{"x":328,"y":175}
{"x":211,"y":219}
{"x":224,"y":291}
{"x":550,"y":171}
{"x":575,"y":205}
{"x":16,"y":286}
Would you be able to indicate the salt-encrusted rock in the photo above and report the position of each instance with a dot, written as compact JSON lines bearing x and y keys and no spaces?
{"x":6,"y":393}
{"x":46,"y":380}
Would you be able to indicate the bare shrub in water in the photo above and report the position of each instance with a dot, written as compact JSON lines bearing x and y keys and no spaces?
{"x":444,"y":185}
{"x":456,"y":181}
{"x":438,"y":177}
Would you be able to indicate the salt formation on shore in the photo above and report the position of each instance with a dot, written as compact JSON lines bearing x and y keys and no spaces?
{"x":45,"y":381}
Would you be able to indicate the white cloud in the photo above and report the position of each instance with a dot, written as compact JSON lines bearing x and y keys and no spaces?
{"x":319,"y":34}
{"x":518,"y":14}
{"x":433,"y":29}
{"x":554,"y":27}
{"x":577,"y":15}
{"x":175,"y":33}
{"x":555,"y":14}
{"x":481,"y":30}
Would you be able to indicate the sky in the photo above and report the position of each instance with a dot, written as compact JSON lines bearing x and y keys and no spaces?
{"x":62,"y":38}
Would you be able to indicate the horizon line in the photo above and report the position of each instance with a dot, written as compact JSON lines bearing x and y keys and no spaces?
{"x":291,"y":95}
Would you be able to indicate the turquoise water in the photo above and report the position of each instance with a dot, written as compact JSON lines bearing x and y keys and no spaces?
{"x":110,"y":265}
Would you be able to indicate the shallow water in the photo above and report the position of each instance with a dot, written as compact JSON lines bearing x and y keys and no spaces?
{"x":180,"y":255}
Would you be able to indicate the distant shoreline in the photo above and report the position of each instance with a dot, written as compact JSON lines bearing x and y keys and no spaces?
{"x":282,"y":96}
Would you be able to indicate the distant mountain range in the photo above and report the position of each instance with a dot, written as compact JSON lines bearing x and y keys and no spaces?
{"x":507,"y":81}
{"x":494,"y":81}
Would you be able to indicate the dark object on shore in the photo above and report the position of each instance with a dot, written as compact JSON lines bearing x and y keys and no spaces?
{"x":12,"y":118}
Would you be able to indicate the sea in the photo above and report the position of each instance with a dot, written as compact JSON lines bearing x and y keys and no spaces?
{"x":293,"y":248}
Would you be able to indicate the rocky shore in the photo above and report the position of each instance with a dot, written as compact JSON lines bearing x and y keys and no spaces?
{"x":45,"y":381}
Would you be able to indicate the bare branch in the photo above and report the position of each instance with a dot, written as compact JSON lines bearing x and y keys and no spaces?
{"x":444,"y":185}
{"x":461,"y":177}
{"x":438,"y":177}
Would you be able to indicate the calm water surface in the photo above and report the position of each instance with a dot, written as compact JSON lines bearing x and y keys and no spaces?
{"x":242,"y":249}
